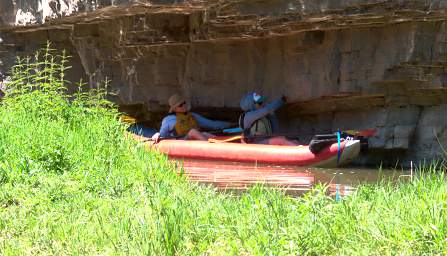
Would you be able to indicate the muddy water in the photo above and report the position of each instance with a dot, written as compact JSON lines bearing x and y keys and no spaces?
{"x":294,"y":180}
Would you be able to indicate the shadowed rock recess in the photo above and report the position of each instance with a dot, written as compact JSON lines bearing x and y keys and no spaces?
{"x":344,"y":64}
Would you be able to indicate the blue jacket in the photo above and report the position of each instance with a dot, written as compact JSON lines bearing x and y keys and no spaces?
{"x":252,"y":114}
{"x":167,"y":128}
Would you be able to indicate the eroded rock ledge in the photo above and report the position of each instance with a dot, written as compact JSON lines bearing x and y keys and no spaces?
{"x":343,"y":64}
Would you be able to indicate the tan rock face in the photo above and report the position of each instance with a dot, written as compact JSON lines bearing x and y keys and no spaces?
{"x":15,"y":12}
{"x":343,"y":64}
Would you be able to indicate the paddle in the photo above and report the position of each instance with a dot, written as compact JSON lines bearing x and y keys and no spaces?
{"x":127,"y":119}
{"x":354,"y":133}
{"x":361,"y":133}
{"x":221,"y":139}
{"x":139,"y":137}
{"x":225,"y":131}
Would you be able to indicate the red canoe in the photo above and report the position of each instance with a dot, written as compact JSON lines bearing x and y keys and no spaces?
{"x":271,"y":154}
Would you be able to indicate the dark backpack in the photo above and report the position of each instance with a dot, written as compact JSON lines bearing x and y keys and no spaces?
{"x":320,"y":142}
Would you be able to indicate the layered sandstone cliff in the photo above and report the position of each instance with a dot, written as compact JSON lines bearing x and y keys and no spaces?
{"x":343,"y":64}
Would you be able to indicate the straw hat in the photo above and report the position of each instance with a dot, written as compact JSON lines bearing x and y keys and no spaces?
{"x":174,"y":101}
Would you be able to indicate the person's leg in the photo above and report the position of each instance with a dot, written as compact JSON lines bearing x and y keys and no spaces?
{"x":208,"y":135}
{"x":194,"y":134}
{"x":281,"y":140}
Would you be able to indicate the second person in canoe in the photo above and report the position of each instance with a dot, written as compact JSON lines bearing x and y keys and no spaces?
{"x":259,"y":122}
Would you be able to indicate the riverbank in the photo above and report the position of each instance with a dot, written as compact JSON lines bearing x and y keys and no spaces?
{"x":71,"y":183}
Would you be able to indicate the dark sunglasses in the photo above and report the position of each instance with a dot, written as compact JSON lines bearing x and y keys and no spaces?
{"x":182,"y":104}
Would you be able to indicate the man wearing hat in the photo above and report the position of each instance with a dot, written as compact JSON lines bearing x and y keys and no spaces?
{"x":259,"y":122}
{"x":181,"y":122}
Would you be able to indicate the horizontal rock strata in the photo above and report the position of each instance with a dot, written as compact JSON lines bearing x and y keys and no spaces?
{"x":343,"y":64}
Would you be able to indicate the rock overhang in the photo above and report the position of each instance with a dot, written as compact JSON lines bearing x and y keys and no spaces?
{"x":377,"y":65}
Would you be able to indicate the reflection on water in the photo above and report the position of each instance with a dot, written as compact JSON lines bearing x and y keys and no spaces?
{"x":294,"y":180}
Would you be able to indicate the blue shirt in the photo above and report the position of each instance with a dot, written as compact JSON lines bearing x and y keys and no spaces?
{"x":267,"y":111}
{"x":167,"y":128}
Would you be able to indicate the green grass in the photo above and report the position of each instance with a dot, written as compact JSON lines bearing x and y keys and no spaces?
{"x":71,"y":183}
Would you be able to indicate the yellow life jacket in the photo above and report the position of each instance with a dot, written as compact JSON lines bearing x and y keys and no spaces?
{"x":184,"y":123}
{"x":262,"y":127}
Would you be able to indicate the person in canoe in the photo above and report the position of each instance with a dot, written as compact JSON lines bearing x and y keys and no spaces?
{"x":259,"y":122}
{"x":182,"y":123}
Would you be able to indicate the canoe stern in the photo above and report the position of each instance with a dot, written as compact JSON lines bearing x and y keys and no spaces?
{"x":350,"y":151}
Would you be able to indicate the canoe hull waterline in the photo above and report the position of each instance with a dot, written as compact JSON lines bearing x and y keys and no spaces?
{"x":256,"y":153}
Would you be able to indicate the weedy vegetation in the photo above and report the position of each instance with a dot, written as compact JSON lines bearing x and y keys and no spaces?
{"x":72,"y":183}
